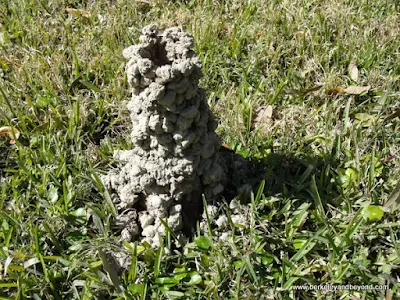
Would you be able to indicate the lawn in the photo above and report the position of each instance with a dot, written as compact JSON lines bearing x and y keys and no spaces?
{"x":322,"y":202}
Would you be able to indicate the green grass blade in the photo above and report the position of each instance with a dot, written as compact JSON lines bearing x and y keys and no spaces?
{"x":317,"y":199}
{"x":207,"y":217}
{"x":158,"y":259}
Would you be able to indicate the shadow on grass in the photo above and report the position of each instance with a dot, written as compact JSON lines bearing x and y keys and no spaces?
{"x":285,"y":175}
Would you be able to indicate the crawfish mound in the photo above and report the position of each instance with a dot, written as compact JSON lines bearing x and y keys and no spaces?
{"x":175,"y":158}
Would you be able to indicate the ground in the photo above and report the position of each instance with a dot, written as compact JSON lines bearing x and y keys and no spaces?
{"x":322,"y":204}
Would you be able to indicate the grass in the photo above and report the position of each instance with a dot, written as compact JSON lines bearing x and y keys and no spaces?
{"x":319,"y":211}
